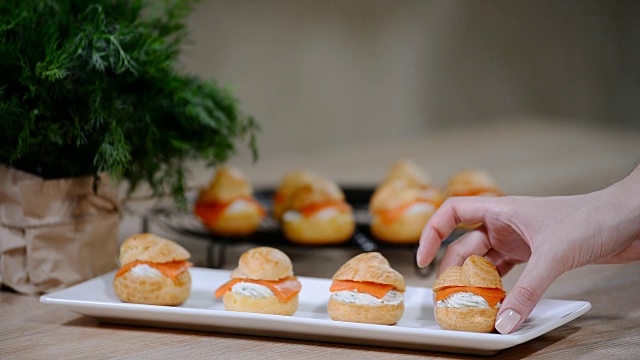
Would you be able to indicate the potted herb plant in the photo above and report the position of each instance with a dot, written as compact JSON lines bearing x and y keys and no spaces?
{"x":91,"y":94}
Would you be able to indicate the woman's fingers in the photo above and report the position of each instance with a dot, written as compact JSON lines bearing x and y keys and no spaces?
{"x":504,"y":266}
{"x":454,"y":211}
{"x":502,"y":263}
{"x":520,"y":301}
{"x":474,"y":242}
{"x":494,"y":256}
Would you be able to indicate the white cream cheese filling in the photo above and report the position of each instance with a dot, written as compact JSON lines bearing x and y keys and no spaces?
{"x":359,"y":298}
{"x":464,"y":300}
{"x":145,"y":270}
{"x":429,"y":193}
{"x":419,"y":208}
{"x":293,"y":215}
{"x":251,"y":290}
{"x":238,"y":206}
{"x":326,"y":213}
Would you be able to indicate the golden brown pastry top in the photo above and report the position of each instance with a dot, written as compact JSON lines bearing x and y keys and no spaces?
{"x":396,"y":193}
{"x":263,"y":263}
{"x":292,"y":180}
{"x":408,"y":171}
{"x":371,"y":267}
{"x":227,"y":185}
{"x":470,"y":181}
{"x":320,"y":190}
{"x":151,"y":248}
{"x":475,"y":271}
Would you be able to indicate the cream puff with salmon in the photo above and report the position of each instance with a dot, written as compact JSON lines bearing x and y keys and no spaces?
{"x":367,"y":290}
{"x":153,"y":271}
{"x":409,"y":172}
{"x":472,"y":183}
{"x":317,"y":214}
{"x":288,"y":185}
{"x":468,"y":297}
{"x":262,"y":283}
{"x":399,"y":212}
{"x":227,"y":206}
{"x":403,"y":203}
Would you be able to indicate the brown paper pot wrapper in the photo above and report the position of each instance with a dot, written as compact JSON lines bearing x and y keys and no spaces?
{"x":55,"y":233}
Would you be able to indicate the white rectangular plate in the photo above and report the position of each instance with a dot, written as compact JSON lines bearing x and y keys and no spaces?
{"x":202,"y":311}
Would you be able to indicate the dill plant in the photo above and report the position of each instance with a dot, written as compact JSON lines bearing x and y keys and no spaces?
{"x":94,"y":86}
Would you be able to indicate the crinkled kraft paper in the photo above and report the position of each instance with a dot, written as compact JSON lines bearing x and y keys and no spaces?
{"x":55,"y":233}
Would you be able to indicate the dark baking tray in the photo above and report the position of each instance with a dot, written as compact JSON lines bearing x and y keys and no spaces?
{"x":269,"y":233}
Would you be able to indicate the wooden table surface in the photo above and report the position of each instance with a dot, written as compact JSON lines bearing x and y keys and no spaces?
{"x":528,"y":159}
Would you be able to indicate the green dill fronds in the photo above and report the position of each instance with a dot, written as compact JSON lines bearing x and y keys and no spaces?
{"x":94,"y":86}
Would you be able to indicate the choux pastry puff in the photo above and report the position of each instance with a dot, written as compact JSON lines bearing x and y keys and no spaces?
{"x":468,"y":297}
{"x":316,"y":213}
{"x":153,"y":271}
{"x":367,"y":290}
{"x":227,"y":206}
{"x":262,"y":283}
{"x":288,"y":185}
{"x":472,"y":183}
{"x":403,"y":203}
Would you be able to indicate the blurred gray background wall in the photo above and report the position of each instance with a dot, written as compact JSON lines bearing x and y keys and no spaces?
{"x":334,"y":73}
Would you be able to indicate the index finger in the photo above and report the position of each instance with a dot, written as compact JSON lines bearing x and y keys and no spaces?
{"x":454,"y":211}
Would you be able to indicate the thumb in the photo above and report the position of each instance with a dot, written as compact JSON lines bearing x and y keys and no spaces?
{"x":527,"y":292}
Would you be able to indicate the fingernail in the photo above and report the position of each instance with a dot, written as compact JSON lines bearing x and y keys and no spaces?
{"x":507,"y":321}
{"x":421,"y":261}
{"x":419,"y":258}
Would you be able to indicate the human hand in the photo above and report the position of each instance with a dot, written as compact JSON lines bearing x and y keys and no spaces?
{"x":554,"y":234}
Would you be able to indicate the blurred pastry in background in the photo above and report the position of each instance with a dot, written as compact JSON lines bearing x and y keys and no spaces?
{"x":472,"y":183}
{"x":262,"y":283}
{"x":316,"y":213}
{"x":289,"y":184}
{"x":400,"y":212}
{"x":153,"y":270}
{"x":402,"y":204}
{"x":367,"y":290}
{"x":409,"y":172}
{"x":227,"y":206}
